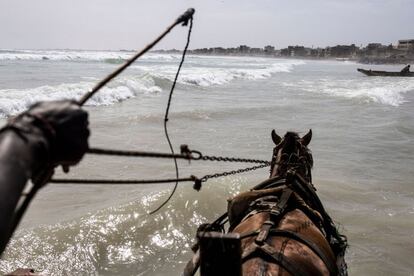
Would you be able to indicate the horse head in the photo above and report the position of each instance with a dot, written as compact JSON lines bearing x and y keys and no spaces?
{"x":291,"y":152}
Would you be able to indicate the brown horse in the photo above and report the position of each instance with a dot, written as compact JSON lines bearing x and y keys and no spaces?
{"x":282,"y":225}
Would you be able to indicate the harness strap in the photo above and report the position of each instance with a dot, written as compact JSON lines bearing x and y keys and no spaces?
{"x":314,"y":247}
{"x":281,"y":205}
{"x":275,"y":213}
{"x":333,"y":270}
{"x":264,"y":232}
{"x":278,"y":258}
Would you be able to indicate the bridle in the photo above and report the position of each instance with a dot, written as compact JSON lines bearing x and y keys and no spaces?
{"x":300,"y":159}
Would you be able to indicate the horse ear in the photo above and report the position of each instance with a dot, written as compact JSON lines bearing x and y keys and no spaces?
{"x":276,"y":138}
{"x":307,"y":138}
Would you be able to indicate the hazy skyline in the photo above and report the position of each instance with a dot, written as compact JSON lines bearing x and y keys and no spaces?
{"x":131,"y":24}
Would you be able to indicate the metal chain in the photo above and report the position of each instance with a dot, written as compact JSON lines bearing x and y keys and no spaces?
{"x":234,"y":159}
{"x":216,"y":175}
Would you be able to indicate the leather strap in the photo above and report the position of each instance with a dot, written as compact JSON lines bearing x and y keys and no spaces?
{"x":276,"y":212}
{"x":264,"y":232}
{"x":314,"y":247}
{"x":276,"y":256}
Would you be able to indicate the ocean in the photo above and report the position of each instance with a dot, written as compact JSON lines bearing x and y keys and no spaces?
{"x":363,"y":146}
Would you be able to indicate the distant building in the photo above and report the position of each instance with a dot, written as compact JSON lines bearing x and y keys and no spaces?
{"x":256,"y":51}
{"x":269,"y":50}
{"x":244,"y":49}
{"x":219,"y":50}
{"x":405,"y":44}
{"x":294,"y":51}
{"x":378,"y":50}
{"x":373,"y":46}
{"x":403,"y":52}
{"x":342,"y":51}
{"x":317,"y":52}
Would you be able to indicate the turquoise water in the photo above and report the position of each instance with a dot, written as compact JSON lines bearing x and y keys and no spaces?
{"x":362,"y":145}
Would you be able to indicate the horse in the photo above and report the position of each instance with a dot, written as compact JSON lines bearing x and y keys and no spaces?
{"x":280,"y":224}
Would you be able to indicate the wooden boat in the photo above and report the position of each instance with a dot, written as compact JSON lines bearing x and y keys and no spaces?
{"x":385,"y":73}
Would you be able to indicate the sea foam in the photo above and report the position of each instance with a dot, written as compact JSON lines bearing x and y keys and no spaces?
{"x":153,"y":76}
{"x":201,"y":76}
{"x":13,"y":101}
{"x":78,"y":55}
{"x":378,"y":90}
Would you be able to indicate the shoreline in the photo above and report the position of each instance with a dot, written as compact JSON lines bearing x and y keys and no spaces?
{"x":371,"y":60}
{"x":360,"y":60}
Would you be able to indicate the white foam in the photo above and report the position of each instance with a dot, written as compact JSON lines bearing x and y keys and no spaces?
{"x":202,"y":76}
{"x":387,"y":91}
{"x":13,"y":101}
{"x":73,"y":55}
{"x":210,"y":72}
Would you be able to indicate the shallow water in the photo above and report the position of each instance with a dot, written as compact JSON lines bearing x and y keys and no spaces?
{"x":362,"y":146}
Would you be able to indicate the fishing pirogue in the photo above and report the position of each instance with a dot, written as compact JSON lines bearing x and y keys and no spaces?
{"x":373,"y":73}
{"x":280,"y":227}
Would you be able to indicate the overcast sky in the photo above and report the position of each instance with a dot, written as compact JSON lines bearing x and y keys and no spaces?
{"x":131,"y":24}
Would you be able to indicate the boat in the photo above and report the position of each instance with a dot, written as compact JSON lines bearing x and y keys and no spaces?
{"x":385,"y":73}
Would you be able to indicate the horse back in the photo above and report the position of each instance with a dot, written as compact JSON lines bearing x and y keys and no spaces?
{"x":296,"y":241}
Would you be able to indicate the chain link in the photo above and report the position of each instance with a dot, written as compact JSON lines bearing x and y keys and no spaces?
{"x":233,"y":172}
{"x":185,"y":153}
{"x":233,"y":159}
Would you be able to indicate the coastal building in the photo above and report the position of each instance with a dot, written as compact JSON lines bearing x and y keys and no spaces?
{"x":256,"y":51}
{"x":405,"y":44}
{"x":372,"y":53}
{"x":294,"y":51}
{"x":374,"y":45}
{"x":269,"y":50}
{"x":378,"y":50}
{"x":244,"y":49}
{"x":342,"y":51}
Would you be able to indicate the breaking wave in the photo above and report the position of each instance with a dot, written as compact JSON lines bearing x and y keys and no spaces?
{"x":207,"y":77}
{"x":76,"y":55}
{"x":376,"y":90}
{"x":148,"y":80}
{"x":13,"y":101}
{"x":204,"y":77}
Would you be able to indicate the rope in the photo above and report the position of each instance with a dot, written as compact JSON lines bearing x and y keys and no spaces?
{"x":166,"y":118}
